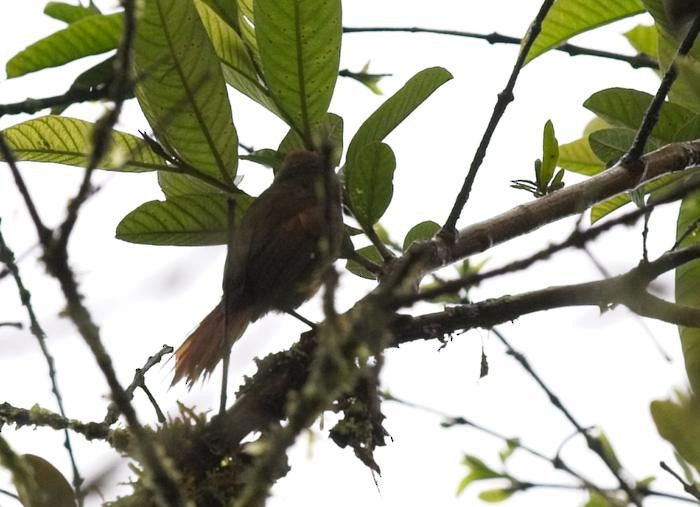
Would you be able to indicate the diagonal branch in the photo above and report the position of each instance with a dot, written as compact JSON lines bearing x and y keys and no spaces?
{"x":504,"y":98}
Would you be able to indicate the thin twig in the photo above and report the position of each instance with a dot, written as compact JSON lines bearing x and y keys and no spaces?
{"x":689,"y":488}
{"x":17,"y":325}
{"x":7,"y":257}
{"x":227,"y":342}
{"x":651,"y":115}
{"x":642,"y":323}
{"x":504,"y":98}
{"x":138,"y":381}
{"x":31,"y":106}
{"x":43,"y":232}
{"x":9,"y":493}
{"x":384,"y":251}
{"x":593,"y":443}
{"x":636,"y":61}
{"x":450,"y":420}
{"x":166,"y":490}
{"x":38,"y":416}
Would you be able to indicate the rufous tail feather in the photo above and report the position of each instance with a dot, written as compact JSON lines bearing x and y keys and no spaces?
{"x":204,"y":348}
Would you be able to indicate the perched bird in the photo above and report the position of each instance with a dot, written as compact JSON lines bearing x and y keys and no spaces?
{"x":285,"y":242}
{"x":680,"y":12}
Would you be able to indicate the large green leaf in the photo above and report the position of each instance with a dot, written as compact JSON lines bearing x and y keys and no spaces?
{"x":606,"y":207}
{"x":183,"y":220}
{"x":87,"y":36}
{"x":246,"y":25}
{"x":644,"y":39}
{"x":181,"y":88}
{"x":609,"y":145}
{"x":625,"y":108}
{"x":567,"y":18}
{"x":394,"y":110}
{"x":225,"y":9}
{"x":69,"y":13}
{"x":423,"y":231}
{"x":679,"y":423}
{"x":371,"y":254}
{"x":370,"y":184}
{"x":299,"y":45}
{"x":54,"y":489}
{"x":238,"y":68}
{"x":578,"y":157}
{"x":329,"y":130}
{"x":687,"y":293}
{"x":669,"y":40}
{"x":175,"y":184}
{"x":63,"y":140}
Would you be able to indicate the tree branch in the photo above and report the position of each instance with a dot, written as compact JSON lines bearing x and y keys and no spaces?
{"x":636,"y":61}
{"x":504,"y":98}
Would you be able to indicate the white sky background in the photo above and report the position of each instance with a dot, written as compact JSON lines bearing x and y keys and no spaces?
{"x":603,"y":367}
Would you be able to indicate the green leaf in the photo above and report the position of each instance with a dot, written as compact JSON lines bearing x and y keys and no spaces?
{"x":567,"y":18}
{"x":364,"y":77}
{"x":225,"y":9}
{"x":679,"y":423}
{"x":511,"y":445}
{"x":420,"y":232}
{"x":687,"y":281}
{"x":394,"y":110}
{"x":604,"y":208}
{"x":69,"y":13}
{"x":550,"y":155}
{"x":608,"y":450}
{"x":237,"y":65}
{"x":595,"y":499}
{"x":370,"y":253}
{"x":64,"y":140}
{"x":328,"y":131}
{"x":609,"y":145}
{"x":181,"y":88}
{"x":53,"y":486}
{"x":370,"y":184}
{"x":669,"y":40}
{"x":496,"y":495}
{"x":578,"y":157}
{"x":184,"y":220}
{"x":685,"y":466}
{"x":174,"y":184}
{"x":246,"y":24}
{"x":87,"y":36}
{"x":266,"y":157}
{"x":97,"y":76}
{"x":624,"y":107}
{"x":299,"y":45}
{"x":478,"y":471}
{"x":644,"y":39}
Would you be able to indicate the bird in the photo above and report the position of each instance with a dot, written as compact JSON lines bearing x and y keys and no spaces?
{"x":285,"y":242}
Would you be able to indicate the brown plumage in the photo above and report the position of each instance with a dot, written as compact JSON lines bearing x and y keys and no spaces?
{"x":277,"y":258}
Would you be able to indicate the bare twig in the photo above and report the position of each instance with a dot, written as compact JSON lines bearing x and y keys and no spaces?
{"x":636,"y":61}
{"x":689,"y":488}
{"x":7,"y":257}
{"x":651,"y":115}
{"x":31,"y":106}
{"x":504,"y":98}
{"x":557,"y":462}
{"x":37,"y":416}
{"x":56,"y":259}
{"x":138,"y":381}
{"x":593,"y":443}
